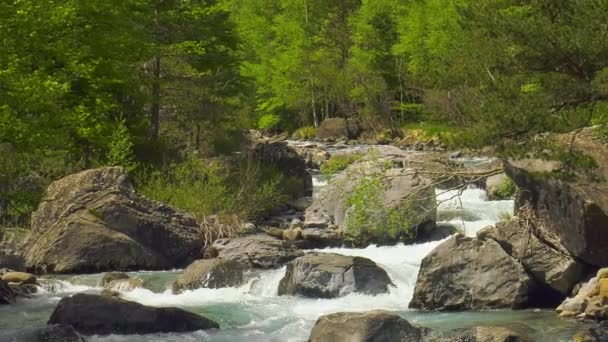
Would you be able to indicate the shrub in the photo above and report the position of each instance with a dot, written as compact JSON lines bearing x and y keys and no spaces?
{"x":269,"y":122}
{"x":241,"y":188}
{"x":121,"y":151}
{"x":305,"y":133}
{"x":370,"y":221}
{"x":338,"y":163}
{"x":507,"y":189}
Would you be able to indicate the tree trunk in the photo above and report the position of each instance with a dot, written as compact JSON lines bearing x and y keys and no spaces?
{"x":155,"y":109}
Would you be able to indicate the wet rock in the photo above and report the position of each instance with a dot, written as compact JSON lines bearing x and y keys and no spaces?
{"x":112,"y":276}
{"x":292,"y":234}
{"x":275,"y":233}
{"x":285,"y":159}
{"x":23,"y":290}
{"x":468,"y":274}
{"x":213,"y":273}
{"x":507,"y":333}
{"x":372,"y":326}
{"x":593,"y":334}
{"x":19,"y":278}
{"x":94,"y":221}
{"x":539,"y":251}
{"x":93,"y":314}
{"x":328,"y":275}
{"x":258,"y":251}
{"x":7,"y":296}
{"x":48,"y":333}
{"x":125,"y":285}
{"x":575,"y":209}
{"x":338,"y":128}
{"x":320,"y":238}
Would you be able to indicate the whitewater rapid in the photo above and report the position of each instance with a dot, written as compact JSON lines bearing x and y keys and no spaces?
{"x":254,"y":312}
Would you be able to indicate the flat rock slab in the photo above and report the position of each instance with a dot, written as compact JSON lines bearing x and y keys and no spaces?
{"x":103,"y":315}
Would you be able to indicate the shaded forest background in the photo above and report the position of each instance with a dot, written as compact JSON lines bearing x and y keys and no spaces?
{"x":156,"y":85}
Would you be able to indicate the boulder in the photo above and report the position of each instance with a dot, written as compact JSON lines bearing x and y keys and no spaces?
{"x":494,"y":186}
{"x":94,"y":221}
{"x":7,"y":296}
{"x":338,"y":129}
{"x":285,"y":159}
{"x":576,"y":305}
{"x":12,"y":262}
{"x":19,"y":277}
{"x":592,"y":334}
{"x":257,"y":251}
{"x":539,"y":251}
{"x":211,"y":273}
{"x":103,"y":315}
{"x":125,"y":285}
{"x":23,"y":290}
{"x":506,"y":333}
{"x":401,"y":190}
{"x":292,"y":234}
{"x":469,"y":274}
{"x":372,"y":326}
{"x":47,"y":333}
{"x":312,"y":154}
{"x":329,"y":275}
{"x":575,"y":208}
{"x":112,"y":276}
{"x":320,"y":238}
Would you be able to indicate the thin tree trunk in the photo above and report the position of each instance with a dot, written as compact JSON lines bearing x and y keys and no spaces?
{"x":155,"y":109}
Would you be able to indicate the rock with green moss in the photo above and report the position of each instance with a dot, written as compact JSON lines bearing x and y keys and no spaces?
{"x":211,"y":273}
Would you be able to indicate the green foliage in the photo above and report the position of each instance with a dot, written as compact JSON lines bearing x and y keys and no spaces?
{"x":305,"y":133}
{"x":121,"y":151}
{"x":506,"y":190}
{"x":370,"y":221}
{"x":338,"y":163}
{"x":268,"y":122}
{"x":243,"y":189}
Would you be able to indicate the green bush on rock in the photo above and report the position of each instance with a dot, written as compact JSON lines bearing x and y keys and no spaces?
{"x":338,"y":163}
{"x":370,"y":220}
{"x":305,"y":133}
{"x":506,"y":190}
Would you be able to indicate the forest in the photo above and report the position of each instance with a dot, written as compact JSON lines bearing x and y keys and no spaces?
{"x":161,"y":87}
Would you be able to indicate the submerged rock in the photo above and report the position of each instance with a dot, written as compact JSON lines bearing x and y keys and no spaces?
{"x":468,"y":274}
{"x":372,"y":326}
{"x":539,"y":251}
{"x":328,"y":275}
{"x":103,"y":315}
{"x":94,"y":221}
{"x":507,"y":333}
{"x":211,"y":273}
{"x":48,"y":333}
{"x":258,"y":251}
{"x":7,"y":296}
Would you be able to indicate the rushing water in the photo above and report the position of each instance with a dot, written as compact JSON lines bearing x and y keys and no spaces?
{"x":254,"y":312}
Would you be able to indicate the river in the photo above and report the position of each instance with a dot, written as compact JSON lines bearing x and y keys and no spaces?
{"x":254,"y":312}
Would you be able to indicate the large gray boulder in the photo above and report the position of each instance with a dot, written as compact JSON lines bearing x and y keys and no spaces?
{"x":539,"y":251}
{"x":575,"y":208}
{"x":329,"y":275}
{"x":211,"y":273}
{"x":338,"y":129}
{"x":402,"y":190}
{"x":103,"y":315}
{"x":47,"y":333}
{"x":372,"y":326}
{"x":285,"y":159}
{"x":469,"y":274}
{"x":257,"y":251}
{"x":94,"y":221}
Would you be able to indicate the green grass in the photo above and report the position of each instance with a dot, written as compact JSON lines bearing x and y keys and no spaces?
{"x":305,"y":133}
{"x":338,"y":163}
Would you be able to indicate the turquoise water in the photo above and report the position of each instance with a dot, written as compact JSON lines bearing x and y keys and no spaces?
{"x":254,"y":312}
